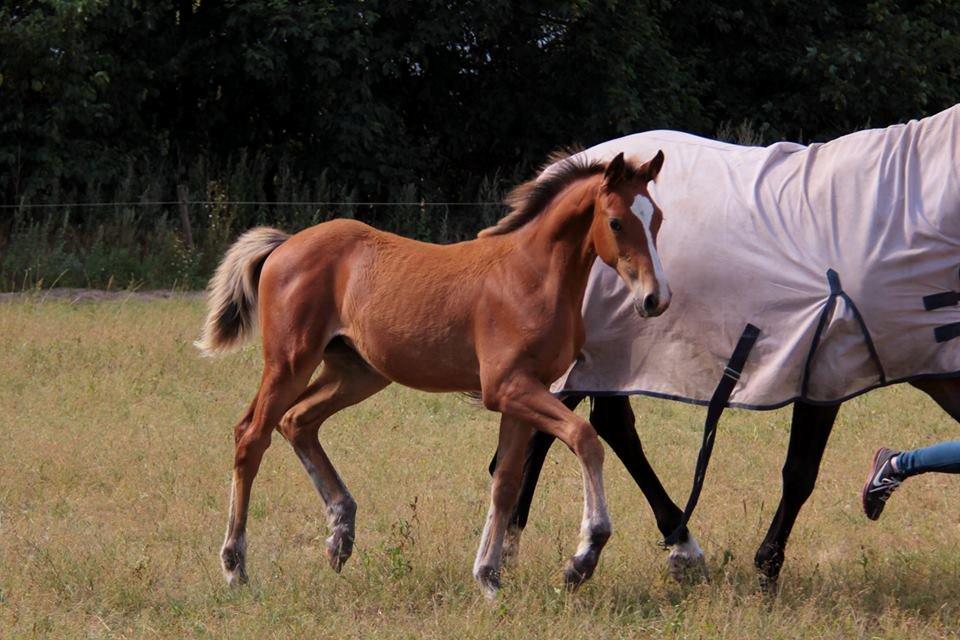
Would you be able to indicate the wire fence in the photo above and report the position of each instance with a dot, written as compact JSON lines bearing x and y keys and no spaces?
{"x":244,"y":203}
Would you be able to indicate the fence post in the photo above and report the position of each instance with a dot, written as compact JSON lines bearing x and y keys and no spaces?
{"x":183,"y":198}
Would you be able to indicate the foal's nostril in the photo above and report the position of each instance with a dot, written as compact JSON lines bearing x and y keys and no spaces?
{"x":650,"y":303}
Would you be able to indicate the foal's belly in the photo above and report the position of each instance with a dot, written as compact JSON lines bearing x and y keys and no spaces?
{"x":424,"y":364}
{"x":415,"y":341}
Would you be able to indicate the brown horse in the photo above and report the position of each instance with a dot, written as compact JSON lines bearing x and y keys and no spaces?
{"x":499,"y":315}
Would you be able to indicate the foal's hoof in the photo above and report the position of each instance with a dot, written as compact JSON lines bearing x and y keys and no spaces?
{"x":686,"y":563}
{"x":234,"y":572}
{"x":580,"y":569}
{"x":339,"y":549}
{"x":489,"y":579}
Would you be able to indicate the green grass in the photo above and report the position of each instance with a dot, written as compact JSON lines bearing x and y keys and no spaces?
{"x":115,"y":462}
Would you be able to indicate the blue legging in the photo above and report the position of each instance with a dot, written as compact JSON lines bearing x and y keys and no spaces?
{"x":943,"y":457}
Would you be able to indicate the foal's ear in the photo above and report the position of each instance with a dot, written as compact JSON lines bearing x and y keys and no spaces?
{"x":615,"y":171}
{"x":653,"y":167}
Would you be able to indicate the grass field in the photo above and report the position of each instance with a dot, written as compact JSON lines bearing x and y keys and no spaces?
{"x":115,"y":461}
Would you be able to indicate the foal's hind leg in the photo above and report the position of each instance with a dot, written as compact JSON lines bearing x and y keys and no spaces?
{"x":278,"y":389}
{"x":344,"y":380}
{"x":511,"y":448}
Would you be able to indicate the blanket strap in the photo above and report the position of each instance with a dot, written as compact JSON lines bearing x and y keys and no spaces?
{"x":731,"y":374}
{"x":940,"y":300}
{"x":946,"y":332}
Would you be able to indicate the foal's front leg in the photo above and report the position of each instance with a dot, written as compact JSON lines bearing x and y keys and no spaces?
{"x":527,"y":401}
{"x":615,"y":422}
{"x":536,"y":454}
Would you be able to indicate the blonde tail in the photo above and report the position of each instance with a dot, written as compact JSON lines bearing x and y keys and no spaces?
{"x":232,"y":292}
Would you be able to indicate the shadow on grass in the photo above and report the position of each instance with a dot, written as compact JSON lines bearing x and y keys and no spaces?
{"x":924,"y":583}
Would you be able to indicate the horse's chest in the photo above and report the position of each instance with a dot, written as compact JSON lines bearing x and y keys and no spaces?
{"x":556,"y":342}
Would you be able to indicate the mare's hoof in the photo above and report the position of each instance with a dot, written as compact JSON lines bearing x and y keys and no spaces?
{"x":768,"y":561}
{"x":687,"y":570}
{"x":769,"y":585}
{"x":489,"y":579}
{"x":686,"y":563}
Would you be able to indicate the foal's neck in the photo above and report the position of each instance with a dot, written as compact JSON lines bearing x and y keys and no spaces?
{"x":560,"y":238}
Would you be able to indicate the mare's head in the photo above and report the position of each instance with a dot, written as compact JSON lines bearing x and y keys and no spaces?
{"x":626,"y":222}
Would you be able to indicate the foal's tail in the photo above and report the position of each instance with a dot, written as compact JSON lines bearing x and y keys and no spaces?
{"x":232,"y":292}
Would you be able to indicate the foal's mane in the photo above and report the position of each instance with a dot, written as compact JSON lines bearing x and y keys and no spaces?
{"x":531,"y":198}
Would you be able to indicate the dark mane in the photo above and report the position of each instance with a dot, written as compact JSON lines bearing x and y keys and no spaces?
{"x":528,"y":200}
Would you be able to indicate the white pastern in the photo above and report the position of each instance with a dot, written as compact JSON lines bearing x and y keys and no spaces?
{"x":239,"y":547}
{"x":483,"y":552}
{"x":643,"y":209}
{"x":595,"y":516}
{"x":584,"y":544}
{"x":487,"y":564}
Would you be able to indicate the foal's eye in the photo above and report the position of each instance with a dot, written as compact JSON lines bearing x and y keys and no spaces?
{"x":615,"y":224}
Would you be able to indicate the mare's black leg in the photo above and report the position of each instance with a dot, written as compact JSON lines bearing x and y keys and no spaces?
{"x":946,"y":392}
{"x":615,"y":422}
{"x":808,"y":438}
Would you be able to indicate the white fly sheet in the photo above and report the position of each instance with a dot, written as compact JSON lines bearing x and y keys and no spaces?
{"x":830,"y":249}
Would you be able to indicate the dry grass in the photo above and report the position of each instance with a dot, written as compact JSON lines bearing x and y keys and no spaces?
{"x":115,"y":461}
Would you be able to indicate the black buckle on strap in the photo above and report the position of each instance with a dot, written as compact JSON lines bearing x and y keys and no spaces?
{"x":730,"y":373}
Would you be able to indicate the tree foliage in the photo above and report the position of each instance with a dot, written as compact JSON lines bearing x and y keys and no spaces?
{"x":434,"y":96}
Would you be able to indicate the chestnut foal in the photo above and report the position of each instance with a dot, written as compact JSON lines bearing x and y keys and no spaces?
{"x":499,"y":315}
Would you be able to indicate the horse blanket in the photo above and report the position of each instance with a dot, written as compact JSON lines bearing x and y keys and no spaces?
{"x":845,"y":254}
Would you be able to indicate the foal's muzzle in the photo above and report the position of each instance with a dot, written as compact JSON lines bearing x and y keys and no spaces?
{"x":651,"y":305}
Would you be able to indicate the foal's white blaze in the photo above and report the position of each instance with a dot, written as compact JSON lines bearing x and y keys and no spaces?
{"x":643,"y":209}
